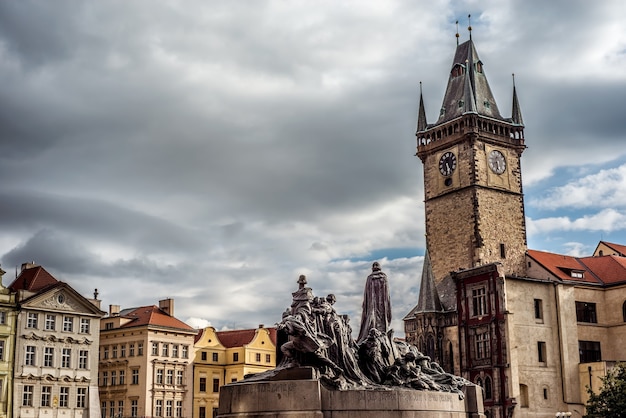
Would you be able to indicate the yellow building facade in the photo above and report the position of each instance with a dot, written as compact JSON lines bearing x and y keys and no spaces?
{"x":222,"y":357}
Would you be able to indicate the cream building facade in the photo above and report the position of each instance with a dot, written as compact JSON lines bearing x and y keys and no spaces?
{"x":223,"y":357}
{"x":145,"y":363}
{"x":8,"y":318}
{"x":56,"y":348}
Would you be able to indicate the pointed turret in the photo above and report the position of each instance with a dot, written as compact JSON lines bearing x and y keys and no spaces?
{"x":421,"y":114}
{"x":516,"y":112}
{"x":468,"y":89}
{"x":429,"y":297}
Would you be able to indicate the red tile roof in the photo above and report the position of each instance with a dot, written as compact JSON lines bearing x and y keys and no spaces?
{"x":152,"y":315}
{"x":239,"y":338}
{"x":618,"y":248}
{"x":604,"y":270}
{"x":33,"y":279}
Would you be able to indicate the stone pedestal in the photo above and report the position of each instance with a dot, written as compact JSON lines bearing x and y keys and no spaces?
{"x":309,"y":399}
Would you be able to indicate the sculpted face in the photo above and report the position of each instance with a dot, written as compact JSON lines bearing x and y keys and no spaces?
{"x":376,"y":266}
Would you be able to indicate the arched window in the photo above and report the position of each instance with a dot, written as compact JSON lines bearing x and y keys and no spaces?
{"x":624,"y":311}
{"x":488,"y":390}
{"x":479,"y":382}
{"x":451,"y":358}
{"x":430,"y":347}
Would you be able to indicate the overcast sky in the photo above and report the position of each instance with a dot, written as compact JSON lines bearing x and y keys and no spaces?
{"x":212,"y":151}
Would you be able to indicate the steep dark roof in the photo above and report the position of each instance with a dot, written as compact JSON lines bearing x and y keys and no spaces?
{"x":421,"y":114}
{"x":516,"y":112}
{"x":429,"y":297}
{"x":468,"y":90}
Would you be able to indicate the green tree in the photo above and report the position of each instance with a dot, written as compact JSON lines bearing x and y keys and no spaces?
{"x":610,"y":402}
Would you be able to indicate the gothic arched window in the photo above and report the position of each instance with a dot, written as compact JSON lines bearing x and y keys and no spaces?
{"x":488,"y":389}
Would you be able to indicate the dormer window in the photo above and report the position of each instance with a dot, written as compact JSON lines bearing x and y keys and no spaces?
{"x":573,"y":273}
{"x":442,"y":111}
{"x":479,"y":67}
{"x":486,"y":104}
{"x":461,"y":103}
{"x":458,"y":70}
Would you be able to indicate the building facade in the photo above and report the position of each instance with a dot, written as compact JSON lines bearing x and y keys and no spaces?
{"x":145,"y":363}
{"x":534,"y":329}
{"x":223,"y":357}
{"x":8,"y":318}
{"x":56,"y":354}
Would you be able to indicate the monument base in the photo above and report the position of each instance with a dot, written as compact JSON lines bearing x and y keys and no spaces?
{"x":310,"y":399}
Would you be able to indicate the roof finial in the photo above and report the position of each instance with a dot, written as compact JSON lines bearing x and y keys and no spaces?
{"x":457,"y":33}
{"x":469,"y":27}
{"x":513,"y":75}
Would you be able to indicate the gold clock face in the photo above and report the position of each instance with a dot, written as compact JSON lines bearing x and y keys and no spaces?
{"x":447,"y":163}
{"x":497,"y":162}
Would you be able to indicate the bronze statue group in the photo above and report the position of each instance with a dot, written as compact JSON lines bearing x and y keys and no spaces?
{"x":312,"y":334}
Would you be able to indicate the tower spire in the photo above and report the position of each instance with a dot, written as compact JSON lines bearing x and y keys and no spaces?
{"x":429,"y":297}
{"x":421,"y":114}
{"x":516,"y":111}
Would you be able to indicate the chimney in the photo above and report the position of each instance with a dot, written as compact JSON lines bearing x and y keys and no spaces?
{"x":167,"y":305}
{"x":28,"y":265}
{"x":114,"y":310}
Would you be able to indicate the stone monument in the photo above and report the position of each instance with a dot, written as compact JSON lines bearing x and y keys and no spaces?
{"x":323,"y":372}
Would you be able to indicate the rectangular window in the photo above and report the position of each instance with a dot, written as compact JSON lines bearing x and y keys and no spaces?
{"x":586,"y":312}
{"x":81,"y":397}
{"x":27,"y":395}
{"x":131,"y":350}
{"x":83,"y":357}
{"x":66,"y":357}
{"x":155,"y":349}
{"x":203,"y":384}
{"x":502,"y":251}
{"x":202,"y":412}
{"x":1,"y":350}
{"x":31,"y":320}
{"x":174,"y":350}
{"x":50,"y":322}
{"x":103,"y":409}
{"x":29,"y":359}
{"x":169,"y":407}
{"x":68,"y":324}
{"x":112,"y":409}
{"x":105,"y":378}
{"x":541,"y":351}
{"x":479,"y":301}
{"x":179,"y":409}
{"x":108,"y":325}
{"x":216,"y":385}
{"x":159,"y":376}
{"x":538,"y":309}
{"x":482,"y":345}
{"x":123,"y":350}
{"x":122,"y":377}
{"x":114,"y":351}
{"x":169,"y":378}
{"x":135,"y":377}
{"x":589,"y":351}
{"x":46,"y":394}
{"x":140,"y":349}
{"x":133,"y":408}
{"x":215,"y":356}
{"x":158,"y":409}
{"x":257,"y":357}
{"x":235,"y":356}
{"x":113,"y":378}
{"x":3,"y":317}
{"x":84,"y":325}
{"x":185,"y":352}
{"x":179,"y":377}
{"x":105,"y":352}
{"x":120,"y":408}
{"x":203,"y":356}
{"x":268,"y":358}
{"x":165,"y":350}
{"x":64,"y":396}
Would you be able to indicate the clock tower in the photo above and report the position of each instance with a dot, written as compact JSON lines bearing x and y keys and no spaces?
{"x":472,"y":174}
